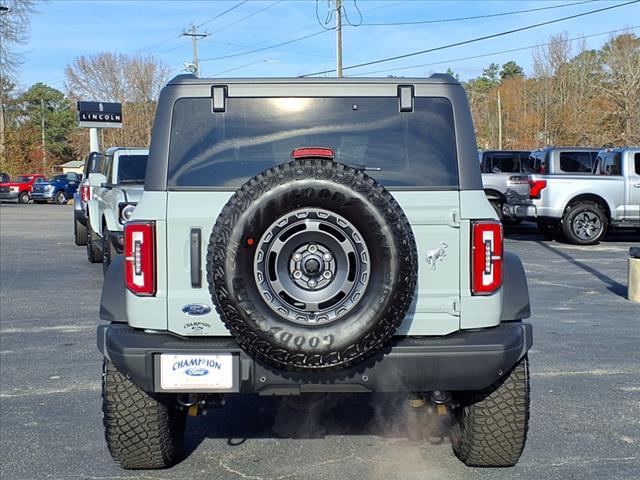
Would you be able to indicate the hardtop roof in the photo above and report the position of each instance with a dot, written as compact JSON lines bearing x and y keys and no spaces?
{"x":436,"y":78}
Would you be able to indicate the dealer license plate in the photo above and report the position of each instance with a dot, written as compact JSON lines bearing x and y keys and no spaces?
{"x":192,"y":372}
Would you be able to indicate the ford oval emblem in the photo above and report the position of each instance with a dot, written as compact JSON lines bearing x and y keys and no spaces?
{"x":196,"y":371}
{"x":196,"y":309}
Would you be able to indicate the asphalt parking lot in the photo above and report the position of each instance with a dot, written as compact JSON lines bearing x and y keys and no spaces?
{"x":585,"y":419}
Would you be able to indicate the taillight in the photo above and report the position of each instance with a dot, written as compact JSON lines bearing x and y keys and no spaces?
{"x":486,"y":261}
{"x":536,"y":187}
{"x":85,"y":193}
{"x":139,"y":254}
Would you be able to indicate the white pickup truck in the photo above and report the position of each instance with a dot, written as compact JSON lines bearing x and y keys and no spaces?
{"x":115,"y":191}
{"x":581,"y":207}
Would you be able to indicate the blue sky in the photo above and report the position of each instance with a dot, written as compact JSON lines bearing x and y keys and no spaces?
{"x":63,"y":30}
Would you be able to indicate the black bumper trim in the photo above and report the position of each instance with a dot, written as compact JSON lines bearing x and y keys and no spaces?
{"x":465,"y":360}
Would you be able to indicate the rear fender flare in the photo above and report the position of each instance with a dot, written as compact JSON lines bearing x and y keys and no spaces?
{"x":515,"y":290}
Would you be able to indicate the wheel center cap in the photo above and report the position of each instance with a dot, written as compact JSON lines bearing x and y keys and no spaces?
{"x":312,"y":266}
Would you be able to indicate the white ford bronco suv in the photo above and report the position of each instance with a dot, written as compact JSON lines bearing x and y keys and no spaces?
{"x":314,"y":235}
{"x":114,"y":194}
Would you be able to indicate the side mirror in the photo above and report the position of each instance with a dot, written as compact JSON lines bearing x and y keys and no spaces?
{"x":97,"y":179}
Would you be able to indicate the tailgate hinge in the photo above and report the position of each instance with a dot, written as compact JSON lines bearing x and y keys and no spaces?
{"x":454,"y":220}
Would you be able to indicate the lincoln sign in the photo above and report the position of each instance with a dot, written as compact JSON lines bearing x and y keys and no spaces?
{"x":99,"y":115}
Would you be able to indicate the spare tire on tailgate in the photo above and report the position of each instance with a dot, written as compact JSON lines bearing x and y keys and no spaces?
{"x":312,"y":265}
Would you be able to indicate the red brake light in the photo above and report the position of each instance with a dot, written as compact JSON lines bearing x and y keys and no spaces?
{"x":486,"y":261}
{"x":306,"y":152}
{"x":85,"y":193}
{"x":139,"y":255}
{"x":536,"y":187}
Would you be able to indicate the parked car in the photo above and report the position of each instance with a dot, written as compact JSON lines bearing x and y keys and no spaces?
{"x":496,"y":167}
{"x":582,"y":207}
{"x":4,"y":178}
{"x":59,"y":188}
{"x":20,"y":187}
{"x":82,"y":196}
{"x":115,"y":191}
{"x":301,"y":236}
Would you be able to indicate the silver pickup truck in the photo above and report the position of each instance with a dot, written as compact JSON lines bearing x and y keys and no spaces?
{"x":581,"y":207}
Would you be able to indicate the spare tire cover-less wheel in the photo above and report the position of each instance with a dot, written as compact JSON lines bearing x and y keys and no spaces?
{"x":312,"y":265}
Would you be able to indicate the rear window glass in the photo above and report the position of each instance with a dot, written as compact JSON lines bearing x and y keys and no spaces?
{"x":577,"y":162}
{"x":131,"y":168}
{"x":92,"y":165}
{"x":504,"y":162}
{"x":22,"y":179}
{"x":536,"y":163}
{"x":415,"y":149}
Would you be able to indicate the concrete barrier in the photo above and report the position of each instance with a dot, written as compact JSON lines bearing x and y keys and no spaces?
{"x":633,"y":285}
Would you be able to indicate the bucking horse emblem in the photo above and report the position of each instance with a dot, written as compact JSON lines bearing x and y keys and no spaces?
{"x":437,"y":254}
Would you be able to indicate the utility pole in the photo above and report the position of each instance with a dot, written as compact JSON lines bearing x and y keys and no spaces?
{"x":499,"y":122}
{"x":44,"y":150}
{"x":195,"y":36}
{"x":339,"y":38}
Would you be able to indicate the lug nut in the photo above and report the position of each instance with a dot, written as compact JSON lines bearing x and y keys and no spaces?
{"x":297,"y":257}
{"x":327,"y":274}
{"x":312,"y":248}
{"x":312,"y":283}
{"x":297,"y":274}
{"x":326,"y":257}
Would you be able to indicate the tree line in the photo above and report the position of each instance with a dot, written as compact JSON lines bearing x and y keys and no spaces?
{"x":590,"y":98}
{"x":574,"y":96}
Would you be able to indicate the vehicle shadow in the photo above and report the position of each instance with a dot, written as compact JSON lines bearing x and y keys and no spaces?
{"x":315,"y":417}
{"x":612,"y":285}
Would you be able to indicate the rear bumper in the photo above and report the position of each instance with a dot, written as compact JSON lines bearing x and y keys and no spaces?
{"x":466,"y":360}
{"x":519,"y":211}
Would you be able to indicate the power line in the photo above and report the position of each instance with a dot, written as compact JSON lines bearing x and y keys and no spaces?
{"x":247,"y":17}
{"x":477,"y":39}
{"x":286,"y":34}
{"x":408,"y":67}
{"x":269,"y":47}
{"x":476,"y":17}
{"x":239,"y":4}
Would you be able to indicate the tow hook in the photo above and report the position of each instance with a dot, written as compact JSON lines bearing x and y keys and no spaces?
{"x":440,"y":400}
{"x":198,"y":404}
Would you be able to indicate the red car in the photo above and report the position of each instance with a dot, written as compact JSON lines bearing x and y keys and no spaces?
{"x":20,"y":188}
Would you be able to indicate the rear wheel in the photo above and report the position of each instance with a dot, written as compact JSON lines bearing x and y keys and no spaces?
{"x":143,"y":431}
{"x":24,"y":197}
{"x":492,"y":424}
{"x":497,"y":206}
{"x":584,"y":223}
{"x":94,"y":253}
{"x":79,"y":232}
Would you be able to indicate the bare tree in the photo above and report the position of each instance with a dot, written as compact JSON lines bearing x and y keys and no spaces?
{"x":14,"y":29}
{"x":621,"y":59}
